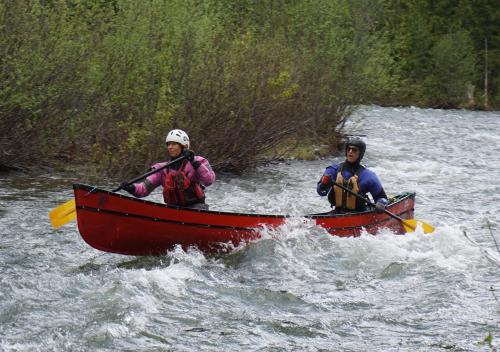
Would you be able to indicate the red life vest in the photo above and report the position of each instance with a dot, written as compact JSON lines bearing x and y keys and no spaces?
{"x":179,"y":190}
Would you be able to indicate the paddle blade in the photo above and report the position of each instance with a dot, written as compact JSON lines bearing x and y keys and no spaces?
{"x":411,"y":225}
{"x":63,"y":214}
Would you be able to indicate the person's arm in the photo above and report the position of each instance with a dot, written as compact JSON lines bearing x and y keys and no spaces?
{"x":202,"y":169}
{"x":326,"y":181}
{"x":375,"y":188}
{"x":146,"y":186}
{"x":380,"y":201}
{"x":381,"y":197}
{"x":204,"y":172}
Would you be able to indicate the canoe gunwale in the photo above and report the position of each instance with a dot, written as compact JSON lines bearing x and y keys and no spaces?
{"x":329,"y":214}
{"x":92,"y":189}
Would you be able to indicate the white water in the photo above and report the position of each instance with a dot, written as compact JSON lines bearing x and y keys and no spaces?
{"x":298,"y":289}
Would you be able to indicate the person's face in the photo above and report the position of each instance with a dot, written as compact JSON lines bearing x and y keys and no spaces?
{"x":174,"y":149}
{"x":352,"y":153}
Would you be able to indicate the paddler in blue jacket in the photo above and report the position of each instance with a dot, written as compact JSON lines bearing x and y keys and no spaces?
{"x":353,"y":175}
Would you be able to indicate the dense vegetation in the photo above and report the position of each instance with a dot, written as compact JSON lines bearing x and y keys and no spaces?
{"x":103,"y":81}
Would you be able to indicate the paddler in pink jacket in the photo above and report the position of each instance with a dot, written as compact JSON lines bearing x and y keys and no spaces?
{"x":184,"y":181}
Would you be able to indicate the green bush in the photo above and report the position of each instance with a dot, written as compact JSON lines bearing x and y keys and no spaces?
{"x":96,"y":81}
{"x":453,"y":69}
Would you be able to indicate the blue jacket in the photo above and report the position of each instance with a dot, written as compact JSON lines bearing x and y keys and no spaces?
{"x":368,"y":182}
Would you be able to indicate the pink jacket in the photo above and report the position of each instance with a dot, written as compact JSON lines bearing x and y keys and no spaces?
{"x":204,"y":175}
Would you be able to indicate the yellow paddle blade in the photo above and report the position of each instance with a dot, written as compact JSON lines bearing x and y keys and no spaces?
{"x":412,"y":224}
{"x":63,"y":214}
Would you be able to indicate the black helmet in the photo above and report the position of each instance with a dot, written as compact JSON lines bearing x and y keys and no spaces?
{"x":356,"y":142}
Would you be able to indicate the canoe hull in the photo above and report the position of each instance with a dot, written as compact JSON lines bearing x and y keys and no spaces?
{"x":116,"y":223}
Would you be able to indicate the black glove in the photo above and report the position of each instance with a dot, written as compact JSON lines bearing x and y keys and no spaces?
{"x":189,"y":154}
{"x":379,"y":207}
{"x":130,"y":188}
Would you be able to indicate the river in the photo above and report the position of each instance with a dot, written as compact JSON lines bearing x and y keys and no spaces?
{"x":298,"y":288}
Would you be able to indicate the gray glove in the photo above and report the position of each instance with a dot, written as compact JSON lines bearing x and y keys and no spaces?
{"x":379,"y":207}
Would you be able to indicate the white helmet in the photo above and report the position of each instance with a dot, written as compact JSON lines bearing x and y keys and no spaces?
{"x":178,"y":136}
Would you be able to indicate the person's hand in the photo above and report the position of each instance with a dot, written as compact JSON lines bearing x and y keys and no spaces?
{"x":189,"y":154}
{"x":325,"y":182}
{"x":130,"y":188}
{"x":379,"y":207}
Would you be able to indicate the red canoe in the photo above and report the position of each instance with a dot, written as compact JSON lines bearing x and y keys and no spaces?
{"x":116,"y":223}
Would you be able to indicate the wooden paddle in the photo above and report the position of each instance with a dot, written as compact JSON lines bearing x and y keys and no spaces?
{"x":67,"y":212}
{"x":409,"y":225}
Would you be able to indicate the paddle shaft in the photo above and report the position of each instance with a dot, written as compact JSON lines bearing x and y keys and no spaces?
{"x":367,"y":200}
{"x":67,"y":211}
{"x":138,"y":178}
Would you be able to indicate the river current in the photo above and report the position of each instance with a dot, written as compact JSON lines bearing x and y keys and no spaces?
{"x":298,"y":288}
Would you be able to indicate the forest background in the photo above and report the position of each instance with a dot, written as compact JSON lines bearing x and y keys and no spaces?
{"x":99,"y":82}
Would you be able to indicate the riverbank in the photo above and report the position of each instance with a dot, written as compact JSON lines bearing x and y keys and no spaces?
{"x":80,"y":163}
